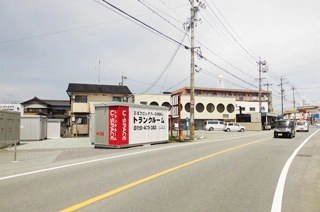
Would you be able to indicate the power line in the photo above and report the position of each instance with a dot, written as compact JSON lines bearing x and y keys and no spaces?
{"x":209,"y":73}
{"x":155,"y":12}
{"x":227,"y":35}
{"x":167,"y":66}
{"x":206,"y":59}
{"x":229,"y":63}
{"x":57,"y":32}
{"x":114,"y":8}
{"x":235,"y":36}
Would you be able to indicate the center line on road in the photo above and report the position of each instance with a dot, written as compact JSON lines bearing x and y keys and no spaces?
{"x":143,"y":180}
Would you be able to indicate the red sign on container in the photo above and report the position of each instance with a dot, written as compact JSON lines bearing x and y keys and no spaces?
{"x":118,"y":125}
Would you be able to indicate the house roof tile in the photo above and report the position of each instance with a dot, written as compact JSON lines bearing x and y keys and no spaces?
{"x":93,"y":88}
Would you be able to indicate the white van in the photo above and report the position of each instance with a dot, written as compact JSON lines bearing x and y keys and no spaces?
{"x":213,"y":125}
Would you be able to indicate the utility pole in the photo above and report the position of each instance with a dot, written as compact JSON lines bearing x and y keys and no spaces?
{"x":269,"y":97}
{"x":294,"y":101}
{"x":282,"y":94}
{"x":99,"y":73}
{"x":262,"y":68}
{"x":192,"y":102}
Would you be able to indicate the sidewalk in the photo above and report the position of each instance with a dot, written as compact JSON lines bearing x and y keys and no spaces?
{"x":55,"y":143}
{"x":42,"y":154}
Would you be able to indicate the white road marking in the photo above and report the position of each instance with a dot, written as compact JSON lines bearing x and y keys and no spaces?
{"x":80,"y":163}
{"x":277,"y":198}
{"x":106,"y":158}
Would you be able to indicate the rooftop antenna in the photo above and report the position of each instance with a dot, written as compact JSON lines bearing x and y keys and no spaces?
{"x":122,"y":79}
{"x":220,"y":82}
{"x":99,"y":74}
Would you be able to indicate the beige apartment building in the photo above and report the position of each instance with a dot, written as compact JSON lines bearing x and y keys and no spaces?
{"x":83,"y":97}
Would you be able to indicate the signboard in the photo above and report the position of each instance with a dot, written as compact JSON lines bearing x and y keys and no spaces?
{"x":118,"y":125}
{"x":147,"y":124}
{"x":175,"y":105}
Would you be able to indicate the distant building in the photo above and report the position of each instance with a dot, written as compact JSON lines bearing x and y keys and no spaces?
{"x":212,"y":103}
{"x":83,"y":97}
{"x":12,"y":107}
{"x":54,"y":109}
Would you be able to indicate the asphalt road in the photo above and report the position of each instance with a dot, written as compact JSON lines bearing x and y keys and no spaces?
{"x":221,"y":172}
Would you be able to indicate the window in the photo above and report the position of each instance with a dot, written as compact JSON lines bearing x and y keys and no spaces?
{"x":116,"y":99}
{"x":230,"y":108}
{"x":143,"y":103}
{"x":187,"y":107}
{"x":166,"y":104}
{"x":200,"y":107}
{"x":79,"y":98}
{"x":81,"y":120}
{"x":220,"y":108}
{"x":210,"y":107}
{"x":252,"y":109}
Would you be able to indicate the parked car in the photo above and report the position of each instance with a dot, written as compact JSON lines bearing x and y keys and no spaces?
{"x":212,"y":125}
{"x":233,"y":126}
{"x":302,"y":125}
{"x":284,"y":128}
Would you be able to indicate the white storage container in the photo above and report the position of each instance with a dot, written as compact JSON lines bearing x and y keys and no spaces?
{"x":121,"y":124}
{"x":54,"y":128}
{"x":33,"y":128}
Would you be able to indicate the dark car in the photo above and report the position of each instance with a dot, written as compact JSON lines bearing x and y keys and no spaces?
{"x":284,"y":128}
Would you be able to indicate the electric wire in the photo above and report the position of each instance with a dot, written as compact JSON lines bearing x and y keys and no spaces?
{"x":209,"y":73}
{"x":141,"y":23}
{"x":229,"y":63}
{"x":154,"y":11}
{"x":223,"y":35}
{"x":233,"y":33}
{"x":167,"y":66}
{"x":163,"y":18}
{"x":211,"y":62}
{"x":58,"y":32}
{"x":145,"y":25}
{"x":227,"y":35}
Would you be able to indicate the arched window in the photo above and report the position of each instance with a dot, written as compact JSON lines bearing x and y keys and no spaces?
{"x":200,"y":107}
{"x":230,"y":108}
{"x":220,"y":108}
{"x":187,"y":107}
{"x":210,"y":107}
{"x":166,"y":104}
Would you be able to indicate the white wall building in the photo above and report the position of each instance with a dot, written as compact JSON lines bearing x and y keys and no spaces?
{"x":216,"y":103}
{"x":12,"y":107}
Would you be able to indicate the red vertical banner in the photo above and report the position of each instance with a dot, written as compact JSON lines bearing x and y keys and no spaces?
{"x":124,"y":124}
{"x":118,"y":125}
{"x":113,"y":125}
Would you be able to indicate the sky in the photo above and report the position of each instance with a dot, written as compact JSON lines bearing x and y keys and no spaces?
{"x":45,"y":45}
